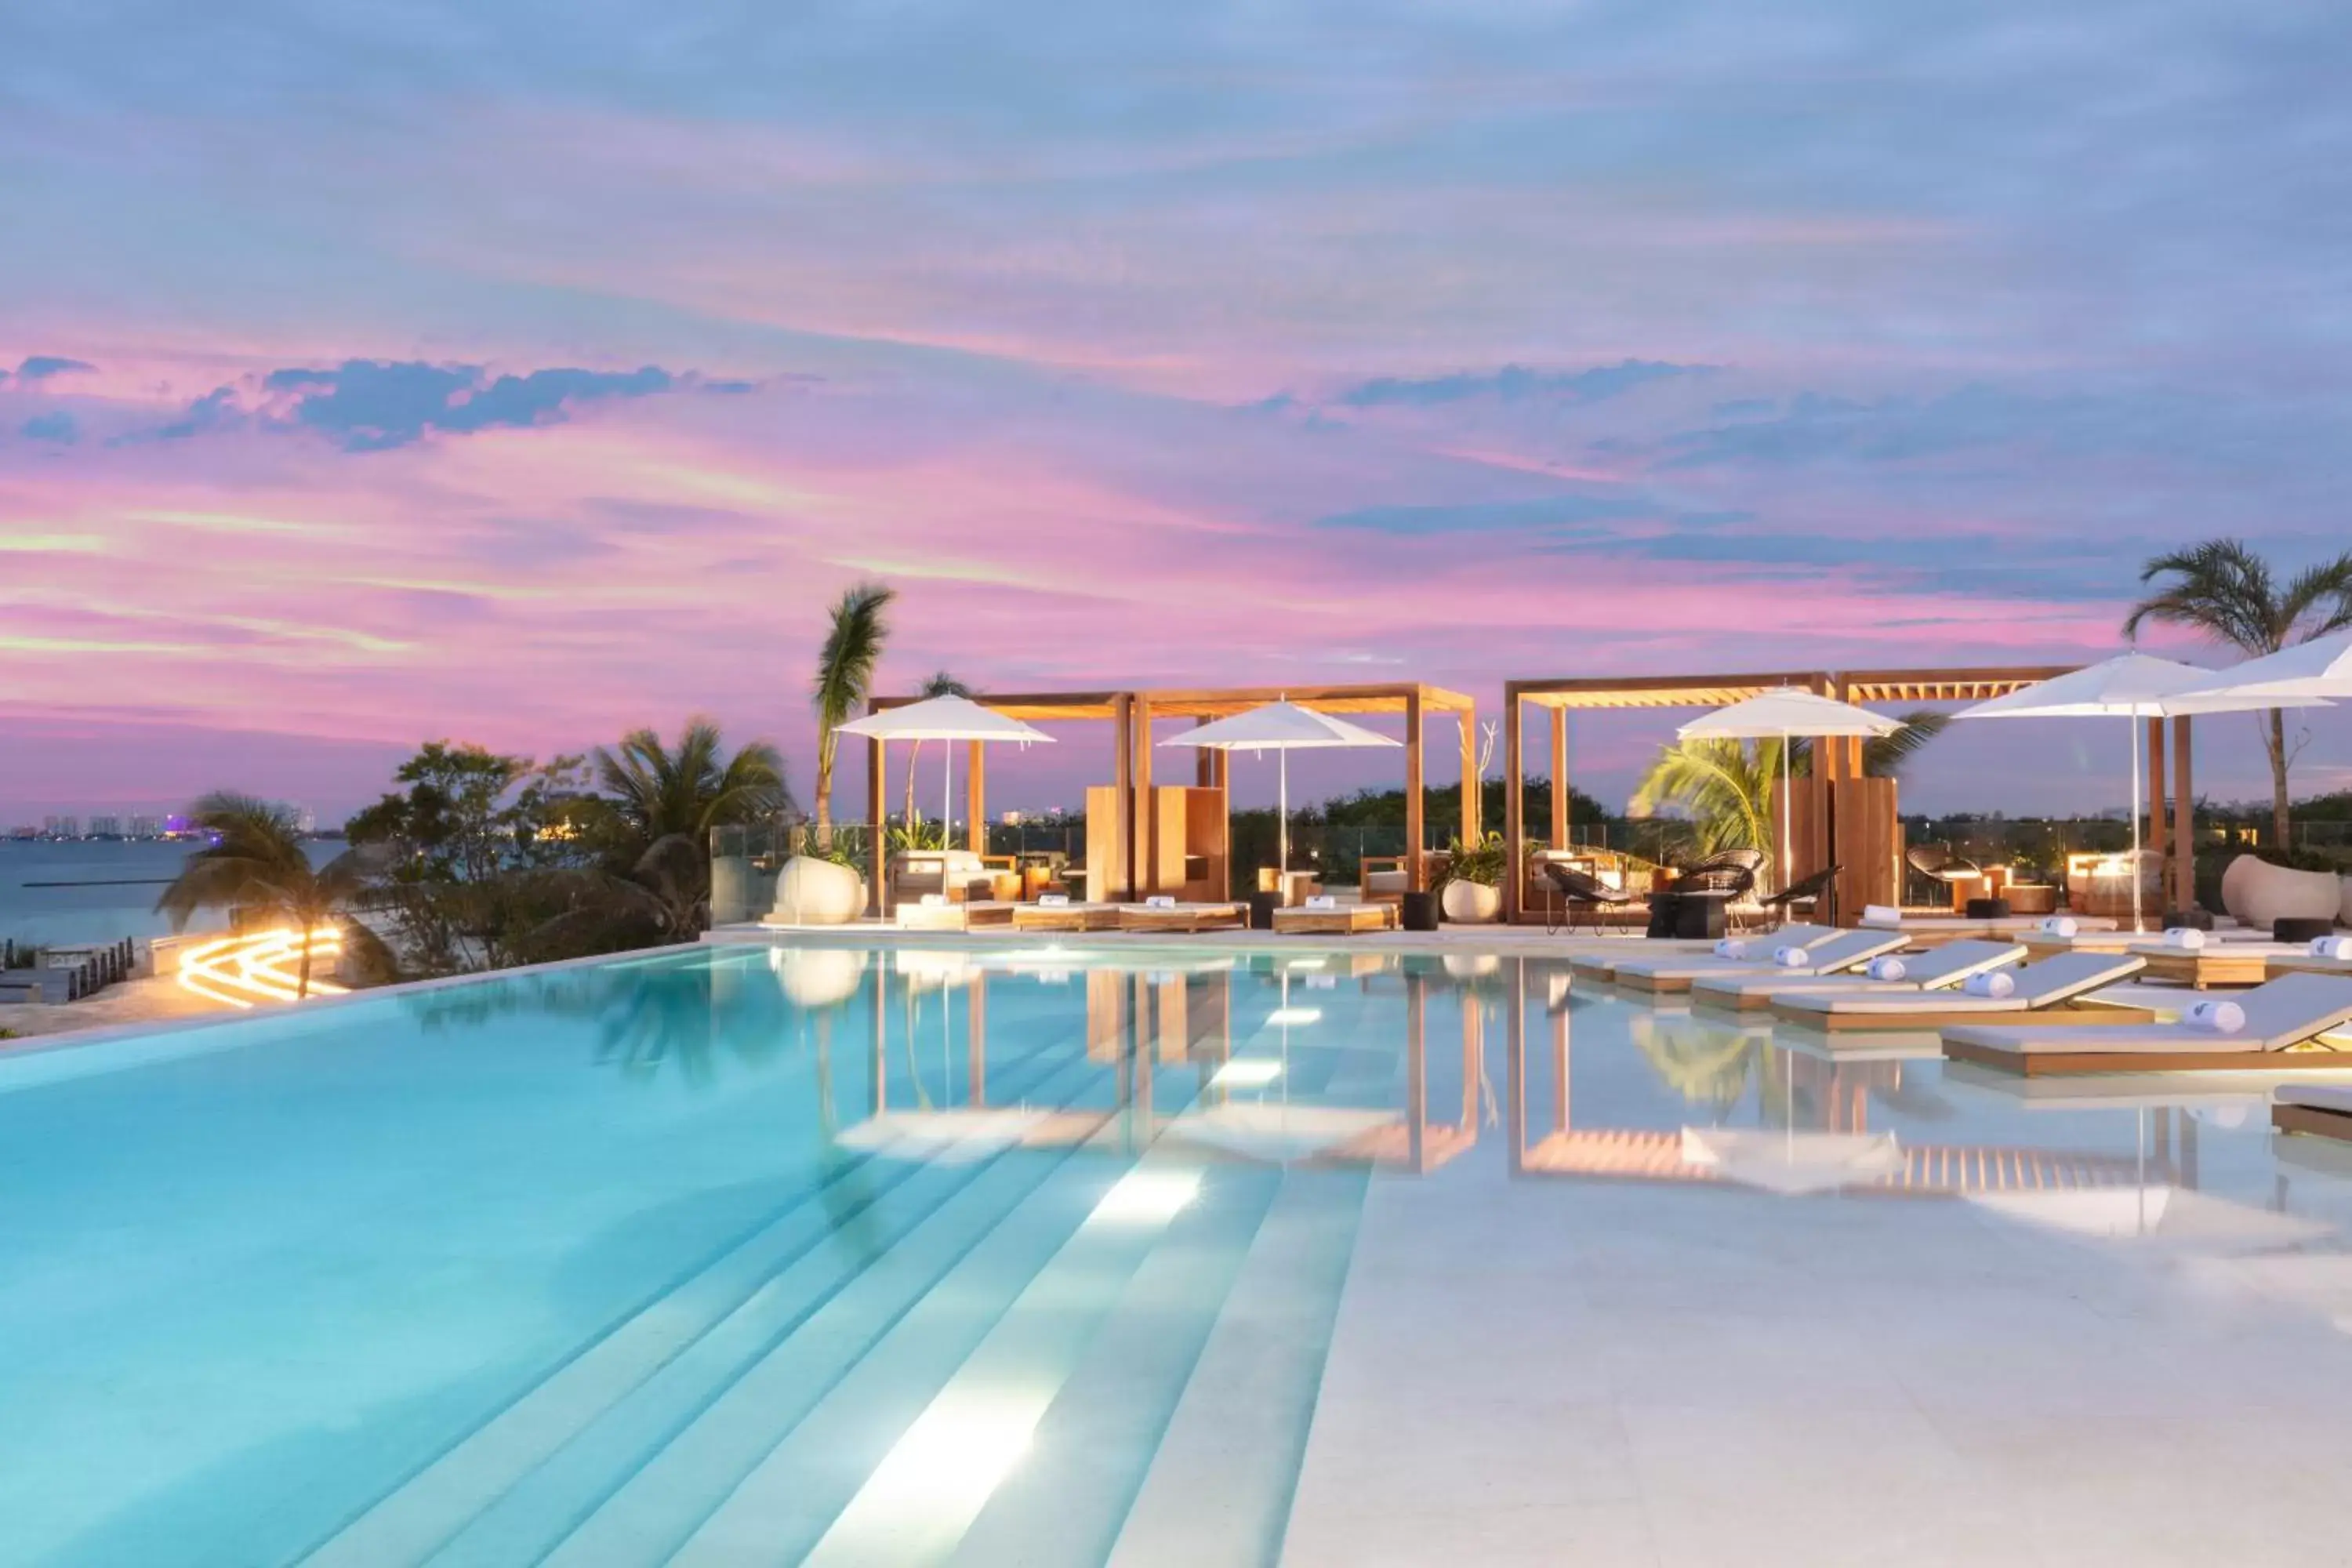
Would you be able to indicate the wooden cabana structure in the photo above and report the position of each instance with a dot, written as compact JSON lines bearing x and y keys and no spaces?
{"x":1145,"y":838}
{"x":1839,"y":816}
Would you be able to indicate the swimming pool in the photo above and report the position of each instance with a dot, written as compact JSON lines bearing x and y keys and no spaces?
{"x":720,"y":1255}
{"x":999,"y":1253}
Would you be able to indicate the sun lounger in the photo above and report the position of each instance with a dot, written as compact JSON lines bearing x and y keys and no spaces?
{"x":1338,"y":919}
{"x":1944,"y":967}
{"x":1183,"y":917}
{"x":918,"y":916}
{"x":1634,"y":949}
{"x":1930,"y":931}
{"x":2051,"y":989}
{"x":2325,"y":1110}
{"x":1069,"y":917}
{"x":2280,"y":1015}
{"x":2307,"y":959}
{"x":1847,"y":950}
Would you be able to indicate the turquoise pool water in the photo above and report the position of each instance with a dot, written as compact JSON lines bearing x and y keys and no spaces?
{"x":730,"y":1256}
{"x":991,"y":1254}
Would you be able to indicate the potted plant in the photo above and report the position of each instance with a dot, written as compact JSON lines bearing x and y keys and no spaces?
{"x":1470,"y":884}
{"x":2269,"y":885}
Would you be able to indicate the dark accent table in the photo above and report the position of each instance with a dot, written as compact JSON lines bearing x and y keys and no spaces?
{"x":1261,"y":911}
{"x":1418,"y":911}
{"x":1688,"y":916}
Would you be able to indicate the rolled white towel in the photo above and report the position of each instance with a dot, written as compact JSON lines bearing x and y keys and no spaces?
{"x":2215,"y":1016}
{"x":2189,"y":939}
{"x":1323,"y":901}
{"x":932,"y":901}
{"x":1793,"y":958}
{"x":1054,"y":901}
{"x":1732,"y":947}
{"x":1888,"y":968}
{"x":2062,"y":925}
{"x":1160,"y":902}
{"x":1880,"y":915}
{"x":2337,"y":947}
{"x":2000,"y":983}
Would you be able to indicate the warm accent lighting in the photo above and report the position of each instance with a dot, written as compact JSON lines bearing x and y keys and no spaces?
{"x":1295,"y":1015}
{"x":1149,"y":1197}
{"x":1247,"y":1072}
{"x":260,"y":966}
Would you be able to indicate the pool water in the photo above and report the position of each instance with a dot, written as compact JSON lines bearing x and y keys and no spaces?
{"x":984,"y":1254}
{"x":728,"y":1256}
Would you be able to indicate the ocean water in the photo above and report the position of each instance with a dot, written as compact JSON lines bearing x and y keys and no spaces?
{"x":111,"y":892}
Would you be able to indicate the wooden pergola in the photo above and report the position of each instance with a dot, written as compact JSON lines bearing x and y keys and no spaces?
{"x":1131,"y":713}
{"x":1842,"y":834}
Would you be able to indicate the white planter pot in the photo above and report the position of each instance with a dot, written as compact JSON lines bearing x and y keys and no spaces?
{"x":819,"y":977}
{"x":1470,"y":903}
{"x":812,"y":892}
{"x":2344,"y":907}
{"x":2261,"y":894}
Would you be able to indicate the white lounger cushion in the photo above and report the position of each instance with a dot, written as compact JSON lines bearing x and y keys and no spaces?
{"x":2043,"y":984}
{"x":2336,"y":1098}
{"x":1841,"y":950}
{"x":2279,"y":1012}
{"x":1930,"y":971}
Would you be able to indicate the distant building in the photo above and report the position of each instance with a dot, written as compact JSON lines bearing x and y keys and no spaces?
{"x":61,"y":826}
{"x":106,"y":827}
{"x":146,"y":826}
{"x":305,"y":820}
{"x":178,"y":823}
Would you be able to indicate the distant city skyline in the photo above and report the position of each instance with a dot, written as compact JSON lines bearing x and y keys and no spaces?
{"x":384,"y":376}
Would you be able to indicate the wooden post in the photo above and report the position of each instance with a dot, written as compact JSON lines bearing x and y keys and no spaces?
{"x":1118,"y":880}
{"x":1559,"y":823}
{"x":976,"y":1024}
{"x":1515,"y":1069}
{"x":1417,"y":877}
{"x":1473,"y":786}
{"x":1416,"y":1067}
{"x":2184,"y":820}
{"x":1514,"y":806}
{"x":881,"y":1038}
{"x":975,"y":799}
{"x":2156,"y":813}
{"x":1143,"y":843}
{"x":878,"y":853}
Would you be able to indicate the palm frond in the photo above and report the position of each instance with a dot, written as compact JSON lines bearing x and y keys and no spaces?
{"x":853,"y":646}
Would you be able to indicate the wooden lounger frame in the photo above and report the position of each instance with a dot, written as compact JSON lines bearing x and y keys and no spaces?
{"x":1346,"y":919}
{"x":2205,"y":966}
{"x":2074,"y":1012}
{"x":1184,"y":917}
{"x":953,"y":917}
{"x":2050,"y":1064}
{"x":2311,"y":1119}
{"x":1065,"y":917}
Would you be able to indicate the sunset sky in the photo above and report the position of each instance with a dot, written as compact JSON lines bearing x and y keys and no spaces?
{"x":524,"y":371}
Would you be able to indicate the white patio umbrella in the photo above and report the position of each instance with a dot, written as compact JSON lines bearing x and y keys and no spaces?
{"x":2132,"y":686}
{"x":1281,"y":728}
{"x":2309,"y":674}
{"x":1786,"y":712}
{"x":945,"y":719}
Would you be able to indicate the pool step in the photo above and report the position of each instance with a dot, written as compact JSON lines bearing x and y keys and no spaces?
{"x":896,"y":1461}
{"x":930,"y":1291}
{"x":1220,"y":1486}
{"x":802,"y":1244}
{"x":1065,"y":1500}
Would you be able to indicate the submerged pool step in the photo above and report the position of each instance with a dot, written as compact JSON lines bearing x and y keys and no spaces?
{"x":1065,"y":1501}
{"x":894,"y":1463}
{"x":1220,"y":1486}
{"x":967,"y":1263}
{"x":439,"y":1502}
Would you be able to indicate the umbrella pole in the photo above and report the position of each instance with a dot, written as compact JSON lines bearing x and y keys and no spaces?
{"x":1282,"y":811}
{"x":2135,"y":811}
{"x":947,"y":798}
{"x":1784,"y":814}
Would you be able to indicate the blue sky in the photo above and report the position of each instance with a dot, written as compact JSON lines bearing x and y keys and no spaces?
{"x":526,"y":372}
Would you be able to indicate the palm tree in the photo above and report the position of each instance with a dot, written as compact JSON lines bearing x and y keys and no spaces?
{"x":844,"y":677}
{"x":656,"y":791}
{"x":2226,"y":591}
{"x":939,"y":685}
{"x":1726,"y":786}
{"x":257,"y":864}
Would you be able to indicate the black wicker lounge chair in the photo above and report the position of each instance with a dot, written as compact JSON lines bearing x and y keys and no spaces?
{"x":1807,"y":891}
{"x":1572,"y":889}
{"x":1940,"y":863}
